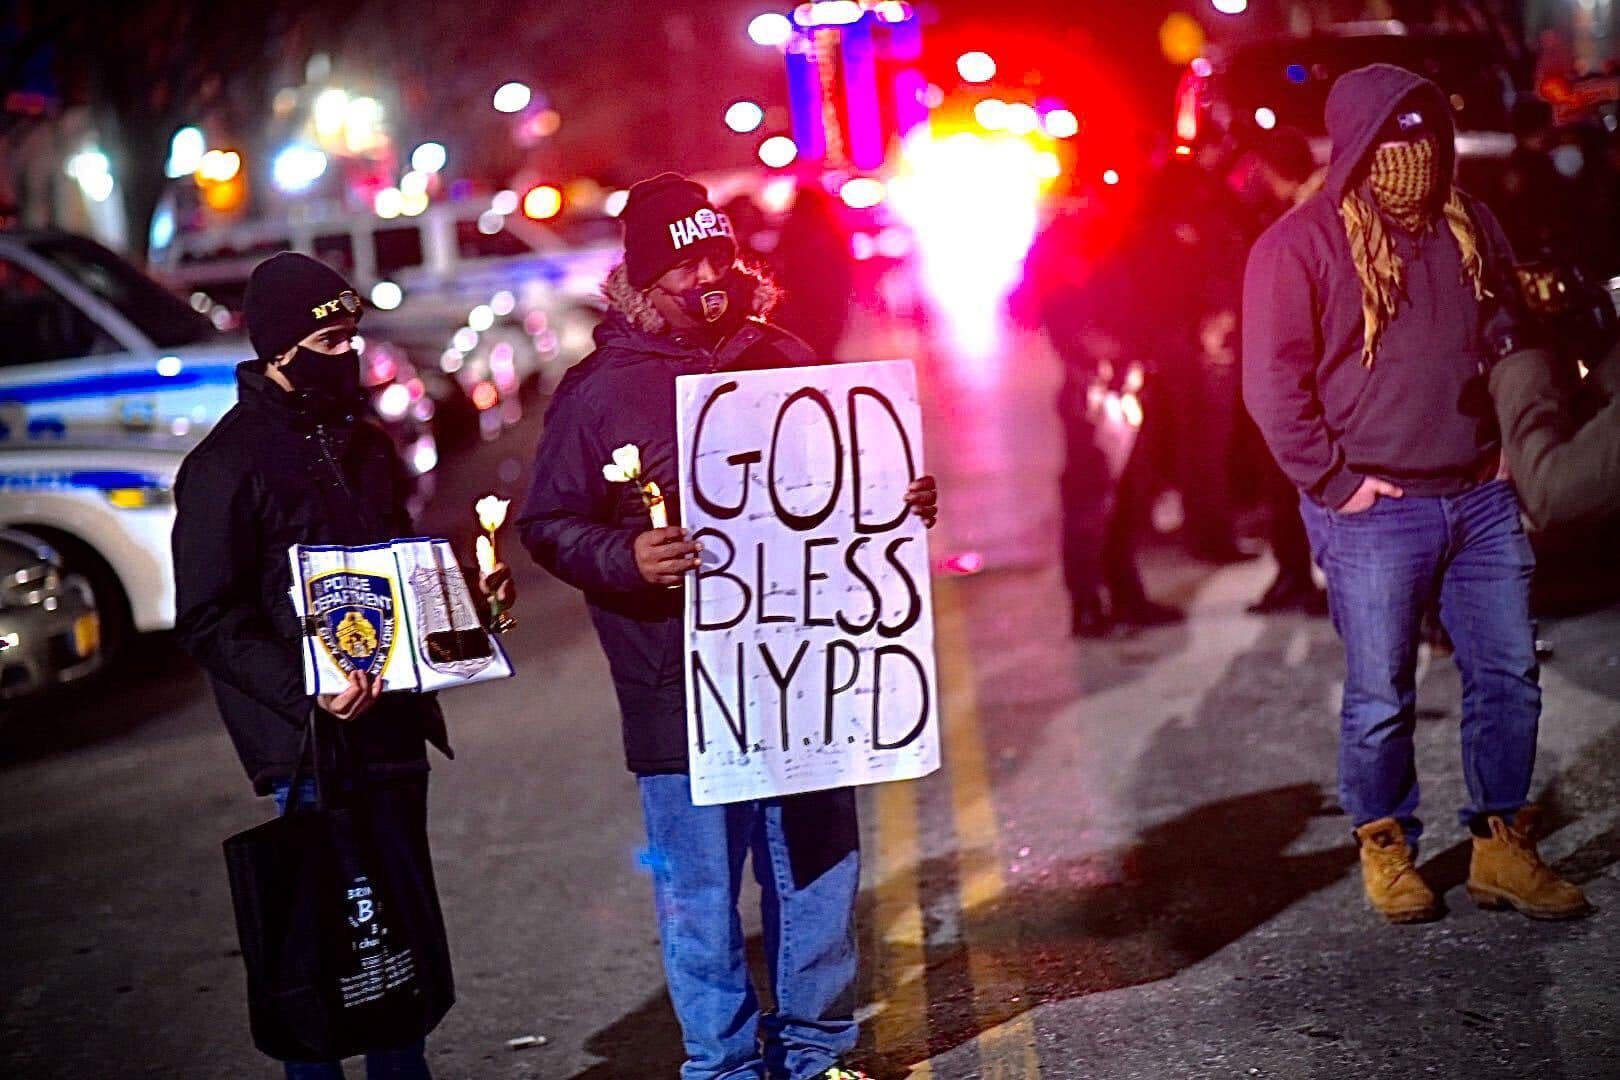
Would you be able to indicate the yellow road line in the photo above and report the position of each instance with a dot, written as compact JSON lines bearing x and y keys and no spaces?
{"x":1006,"y":1050}
{"x":900,"y":1030}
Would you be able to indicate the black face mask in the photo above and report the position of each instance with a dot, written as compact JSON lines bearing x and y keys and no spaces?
{"x":327,"y":380}
{"x":720,"y":306}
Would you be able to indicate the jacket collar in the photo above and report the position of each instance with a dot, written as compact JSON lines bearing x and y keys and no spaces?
{"x":289,"y":409}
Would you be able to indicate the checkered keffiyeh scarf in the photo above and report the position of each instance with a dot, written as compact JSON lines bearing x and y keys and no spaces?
{"x":1400,"y":184}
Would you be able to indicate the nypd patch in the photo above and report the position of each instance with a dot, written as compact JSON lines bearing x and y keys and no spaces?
{"x":354,"y":619}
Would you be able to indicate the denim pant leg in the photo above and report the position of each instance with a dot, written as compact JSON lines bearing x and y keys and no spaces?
{"x":810,"y":943}
{"x":1485,"y":605}
{"x":1381,"y":568}
{"x":696,"y":854}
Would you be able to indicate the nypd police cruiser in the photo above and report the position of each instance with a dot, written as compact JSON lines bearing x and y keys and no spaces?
{"x":91,"y":347}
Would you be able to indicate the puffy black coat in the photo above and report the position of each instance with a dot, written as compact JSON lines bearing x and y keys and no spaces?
{"x":581,"y":527}
{"x":268,"y":476}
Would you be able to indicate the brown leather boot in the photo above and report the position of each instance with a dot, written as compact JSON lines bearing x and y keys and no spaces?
{"x":1507,"y":872}
{"x":1393,"y":886}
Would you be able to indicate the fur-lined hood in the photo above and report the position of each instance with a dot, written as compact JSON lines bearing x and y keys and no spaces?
{"x":633,"y":304}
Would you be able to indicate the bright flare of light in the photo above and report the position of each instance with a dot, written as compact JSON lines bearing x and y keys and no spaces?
{"x":331,"y":106}
{"x":1265,"y":118}
{"x":778,"y":151}
{"x":490,"y":222}
{"x":828,"y":13}
{"x":185,"y":152}
{"x":219,"y":166}
{"x":744,"y":116}
{"x":862,"y":193}
{"x":169,"y":366}
{"x":893,"y":11}
{"x":770,"y":29}
{"x":1110,"y":177}
{"x":613,"y":205}
{"x":481,"y":318}
{"x":504,"y":202}
{"x":513,"y":97}
{"x":424,"y":455}
{"x":1022,"y":119}
{"x":542,"y":202}
{"x":1230,"y":7}
{"x":976,"y":67}
{"x":297,"y":168}
{"x":429,"y":157}
{"x":969,"y":261}
{"x":393,"y":402}
{"x":389,"y":203}
{"x":93,"y":172}
{"x":991,"y":113}
{"x":1047,"y":166}
{"x":1062,"y":124}
{"x":413,"y":181}
{"x":386,"y":296}
{"x":502,"y":303}
{"x":413,"y":203}
{"x":450,"y":361}
{"x":465,"y":340}
{"x":363,"y":125}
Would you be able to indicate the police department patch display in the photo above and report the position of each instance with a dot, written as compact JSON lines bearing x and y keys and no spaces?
{"x":354,"y":619}
{"x":400,"y":612}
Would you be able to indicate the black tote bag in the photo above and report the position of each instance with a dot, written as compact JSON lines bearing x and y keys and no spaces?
{"x":339,"y":922}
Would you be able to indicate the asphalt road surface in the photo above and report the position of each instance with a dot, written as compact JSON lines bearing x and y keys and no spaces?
{"x":1131,"y":865}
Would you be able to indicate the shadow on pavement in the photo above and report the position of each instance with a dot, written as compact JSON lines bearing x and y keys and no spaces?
{"x":1188,"y":888}
{"x":155,"y":679}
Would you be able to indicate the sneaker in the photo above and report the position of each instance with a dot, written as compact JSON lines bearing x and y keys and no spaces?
{"x":839,"y":1072}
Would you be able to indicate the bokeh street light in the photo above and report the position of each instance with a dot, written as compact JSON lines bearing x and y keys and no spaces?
{"x":185,"y":152}
{"x":513,"y":97}
{"x":1062,"y":124}
{"x":744,"y":116}
{"x":428,"y":158}
{"x":976,"y":67}
{"x":778,"y":151}
{"x":297,"y":168}
{"x":770,"y":29}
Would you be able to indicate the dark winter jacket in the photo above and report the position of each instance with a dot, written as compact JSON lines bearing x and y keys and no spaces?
{"x":1420,"y":416}
{"x":581,"y":527}
{"x":267,"y":477}
{"x":1566,"y":472}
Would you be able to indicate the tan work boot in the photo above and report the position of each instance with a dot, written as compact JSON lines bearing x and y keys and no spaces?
{"x":1507,"y":871}
{"x":1393,"y":886}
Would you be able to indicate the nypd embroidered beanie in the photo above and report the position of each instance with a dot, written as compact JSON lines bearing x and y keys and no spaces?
{"x":667,"y":220}
{"x":289,"y":297}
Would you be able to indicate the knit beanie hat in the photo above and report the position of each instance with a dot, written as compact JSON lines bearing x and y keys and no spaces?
{"x":668,"y":219}
{"x":289,"y":297}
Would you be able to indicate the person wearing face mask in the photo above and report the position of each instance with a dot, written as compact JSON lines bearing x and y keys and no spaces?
{"x":1364,"y":356}
{"x":296,"y":461}
{"x":680,"y":304}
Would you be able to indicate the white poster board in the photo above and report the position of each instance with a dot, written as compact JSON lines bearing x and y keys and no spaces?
{"x":809,"y":625}
{"x":399,"y":611}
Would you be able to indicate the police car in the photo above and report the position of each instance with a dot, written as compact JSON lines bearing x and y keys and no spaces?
{"x":484,"y":303}
{"x":107,"y":510}
{"x":90,"y":347}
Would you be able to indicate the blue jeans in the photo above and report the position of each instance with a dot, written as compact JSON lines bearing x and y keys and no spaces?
{"x":1384,"y":567}
{"x":696,"y":855}
{"x":406,"y":1063}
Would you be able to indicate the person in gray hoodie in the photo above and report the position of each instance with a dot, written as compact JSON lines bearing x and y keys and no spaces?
{"x":1363,"y":365}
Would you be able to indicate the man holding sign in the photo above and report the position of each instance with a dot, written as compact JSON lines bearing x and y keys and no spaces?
{"x":610,"y":471}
